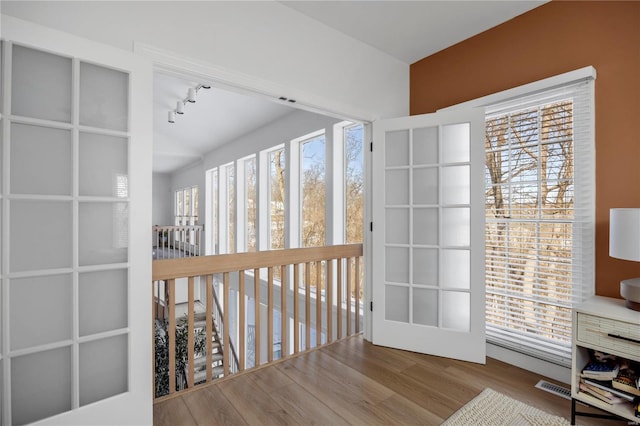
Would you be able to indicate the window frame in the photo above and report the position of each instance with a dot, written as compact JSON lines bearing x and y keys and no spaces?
{"x":217,"y":215}
{"x":179,"y":205}
{"x":345,"y":164}
{"x":297,"y":147}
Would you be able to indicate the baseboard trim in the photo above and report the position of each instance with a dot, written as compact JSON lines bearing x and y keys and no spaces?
{"x":529,"y":363}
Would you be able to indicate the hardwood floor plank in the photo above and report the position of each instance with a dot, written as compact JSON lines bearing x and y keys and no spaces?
{"x":270,"y":379}
{"x":305,"y":408}
{"x":386,"y":358}
{"x":254,"y":405}
{"x":172,"y":412}
{"x":355,"y":382}
{"x":210,"y":407}
{"x":441,"y":382}
{"x":355,"y":385}
{"x":399,"y":410}
{"x":437,"y":400}
{"x":342,"y":399}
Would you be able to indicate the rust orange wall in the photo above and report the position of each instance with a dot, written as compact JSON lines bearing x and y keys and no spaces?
{"x":554,"y":38}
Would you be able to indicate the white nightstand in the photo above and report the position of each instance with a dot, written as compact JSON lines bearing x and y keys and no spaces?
{"x":603,"y":324}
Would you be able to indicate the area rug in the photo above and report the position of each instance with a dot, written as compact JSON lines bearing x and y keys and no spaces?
{"x":493,"y":408}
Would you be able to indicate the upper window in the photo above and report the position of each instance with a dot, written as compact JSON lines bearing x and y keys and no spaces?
{"x":354,"y":183}
{"x":230,"y":211}
{"x":251,"y":203}
{"x":539,"y":219}
{"x":277,"y":189}
{"x":186,"y":206}
{"x":313,"y":191}
{"x":213,"y":220}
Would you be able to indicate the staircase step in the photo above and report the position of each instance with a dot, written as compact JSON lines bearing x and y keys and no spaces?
{"x":201,"y":376}
{"x":201,"y":362}
{"x":200,"y":324}
{"x":200,"y":316}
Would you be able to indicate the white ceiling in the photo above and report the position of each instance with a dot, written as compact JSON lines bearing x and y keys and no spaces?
{"x":412,"y":30}
{"x":217,"y":117}
{"x":406,"y":30}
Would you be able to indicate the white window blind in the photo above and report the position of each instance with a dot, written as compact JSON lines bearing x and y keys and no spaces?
{"x":540,"y":197}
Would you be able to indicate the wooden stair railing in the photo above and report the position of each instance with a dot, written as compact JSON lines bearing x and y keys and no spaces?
{"x":171,"y":242}
{"x":319,"y":291}
{"x":218,"y":326}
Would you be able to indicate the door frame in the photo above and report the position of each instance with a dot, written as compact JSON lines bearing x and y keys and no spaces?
{"x":180,"y":66}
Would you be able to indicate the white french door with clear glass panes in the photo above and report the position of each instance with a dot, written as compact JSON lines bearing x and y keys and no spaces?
{"x":428,"y":234}
{"x":75,"y":185}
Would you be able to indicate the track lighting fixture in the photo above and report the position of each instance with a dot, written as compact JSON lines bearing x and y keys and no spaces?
{"x":191,"y":98}
{"x":192,"y":95}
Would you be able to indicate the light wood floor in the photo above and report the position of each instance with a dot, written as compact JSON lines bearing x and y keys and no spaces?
{"x":355,"y":382}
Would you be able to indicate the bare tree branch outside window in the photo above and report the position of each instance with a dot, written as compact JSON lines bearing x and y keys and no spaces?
{"x":529,"y":216}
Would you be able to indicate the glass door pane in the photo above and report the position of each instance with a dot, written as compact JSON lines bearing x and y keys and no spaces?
{"x":41,"y":84}
{"x":104,"y":95}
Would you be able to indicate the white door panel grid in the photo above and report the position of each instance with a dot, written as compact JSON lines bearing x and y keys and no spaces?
{"x":428,"y":234}
{"x":75,"y":196}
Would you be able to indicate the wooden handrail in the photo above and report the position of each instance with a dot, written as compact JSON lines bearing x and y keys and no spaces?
{"x":167,"y":269}
{"x":331,"y":276}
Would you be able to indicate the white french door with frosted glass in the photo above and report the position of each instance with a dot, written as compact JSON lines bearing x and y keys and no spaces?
{"x":75,"y":185}
{"x":428,"y":234}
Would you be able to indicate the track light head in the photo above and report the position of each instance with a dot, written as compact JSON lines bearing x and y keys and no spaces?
{"x":191,"y":97}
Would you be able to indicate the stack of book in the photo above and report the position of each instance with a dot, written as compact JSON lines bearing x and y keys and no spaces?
{"x":600,"y":370}
{"x":598,"y":377}
{"x":604,"y":391}
{"x":627,"y":380}
{"x":610,"y":379}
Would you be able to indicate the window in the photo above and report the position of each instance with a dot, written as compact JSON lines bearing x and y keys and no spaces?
{"x":313,"y":191}
{"x":539,"y":218}
{"x":230,"y":208}
{"x":251,"y":203}
{"x":277,"y":189}
{"x":354,"y":183}
{"x":213,"y":212}
{"x":186,"y":206}
{"x":353,"y":136}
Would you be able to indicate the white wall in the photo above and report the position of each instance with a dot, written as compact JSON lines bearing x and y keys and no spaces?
{"x":162,"y":199}
{"x":264,"y":40}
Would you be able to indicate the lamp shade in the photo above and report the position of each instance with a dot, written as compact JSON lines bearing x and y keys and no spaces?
{"x":624,"y":234}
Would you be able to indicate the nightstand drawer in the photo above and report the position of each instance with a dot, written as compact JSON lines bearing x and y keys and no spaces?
{"x":615,"y":335}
